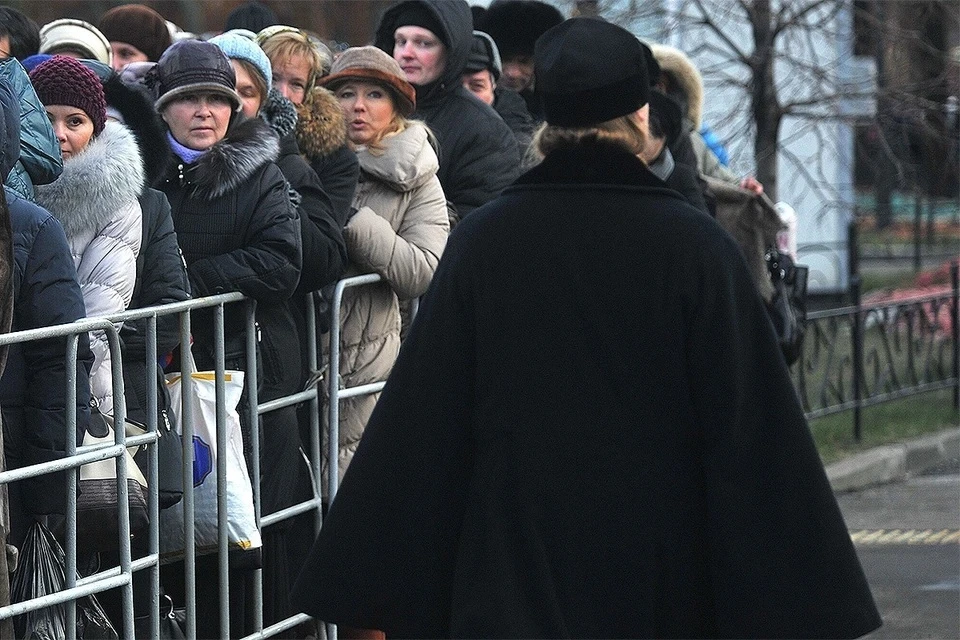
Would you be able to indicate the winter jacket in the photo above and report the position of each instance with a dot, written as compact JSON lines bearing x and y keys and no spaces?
{"x":478,"y":152}
{"x":161,"y":279}
{"x":322,"y":139}
{"x":324,"y":253}
{"x":40,"y":161}
{"x":589,"y":433}
{"x":95,"y":199}
{"x":399,"y":232}
{"x":513,"y":109}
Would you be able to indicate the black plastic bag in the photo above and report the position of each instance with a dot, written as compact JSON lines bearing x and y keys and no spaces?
{"x":788,"y":307}
{"x":40,"y":572}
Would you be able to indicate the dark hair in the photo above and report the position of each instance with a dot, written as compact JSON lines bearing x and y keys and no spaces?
{"x":23,"y":33}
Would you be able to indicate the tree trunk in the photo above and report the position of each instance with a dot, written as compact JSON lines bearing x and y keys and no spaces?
{"x":764,"y":105}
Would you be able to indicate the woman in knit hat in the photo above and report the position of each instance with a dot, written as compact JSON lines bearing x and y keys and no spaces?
{"x":136,"y":33}
{"x":297,"y":61}
{"x":590,"y":431}
{"x":95,"y":198}
{"x":399,"y":226}
{"x":324,"y":260}
{"x":239,"y":231}
{"x":75,"y":38}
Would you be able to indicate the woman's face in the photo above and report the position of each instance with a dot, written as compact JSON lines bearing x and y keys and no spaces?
{"x":199,"y":120}
{"x":250,"y":98}
{"x":291,"y":75}
{"x":72,"y":126}
{"x":368,"y":108}
{"x":124,"y":53}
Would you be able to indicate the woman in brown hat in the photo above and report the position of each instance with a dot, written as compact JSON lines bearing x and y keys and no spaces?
{"x":398,"y":226}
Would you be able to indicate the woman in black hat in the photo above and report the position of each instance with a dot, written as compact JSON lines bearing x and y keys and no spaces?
{"x":590,"y":430}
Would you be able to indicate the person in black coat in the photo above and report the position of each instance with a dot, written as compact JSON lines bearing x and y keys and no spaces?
{"x":590,"y":430}
{"x":239,"y":231}
{"x":479,"y":155}
{"x":33,"y":385}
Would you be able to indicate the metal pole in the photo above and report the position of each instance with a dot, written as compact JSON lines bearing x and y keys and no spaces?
{"x":223,"y":558}
{"x":313,"y":360}
{"x":153,"y":478}
{"x":251,"y":380}
{"x":857,"y":336}
{"x":70,"y":566}
{"x":186,"y":431}
{"x":955,"y":329}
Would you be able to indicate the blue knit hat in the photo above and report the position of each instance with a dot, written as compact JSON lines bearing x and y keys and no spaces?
{"x":239,"y":47}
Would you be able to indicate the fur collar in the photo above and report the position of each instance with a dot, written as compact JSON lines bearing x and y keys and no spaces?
{"x":321,"y":129}
{"x":96,"y":183}
{"x":248,"y":145}
{"x":279,"y":113}
{"x":678,"y":65}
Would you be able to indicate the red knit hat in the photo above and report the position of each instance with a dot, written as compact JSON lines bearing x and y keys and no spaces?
{"x":63,"y":80}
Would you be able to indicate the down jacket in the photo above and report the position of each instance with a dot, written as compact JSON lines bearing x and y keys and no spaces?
{"x":479,"y":155}
{"x":40,"y":161}
{"x":95,"y":199}
{"x":399,"y":232}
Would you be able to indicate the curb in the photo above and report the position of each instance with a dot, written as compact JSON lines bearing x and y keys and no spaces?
{"x":894,"y":462}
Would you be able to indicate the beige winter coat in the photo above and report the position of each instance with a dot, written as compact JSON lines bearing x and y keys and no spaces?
{"x":399,"y":232}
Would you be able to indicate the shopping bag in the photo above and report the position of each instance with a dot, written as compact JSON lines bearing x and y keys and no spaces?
{"x":242,"y":532}
{"x":40,"y":572}
{"x":97,"y":512}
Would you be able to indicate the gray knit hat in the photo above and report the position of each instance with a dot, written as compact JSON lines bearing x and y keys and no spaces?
{"x":372,"y":64}
{"x":192,"y":66}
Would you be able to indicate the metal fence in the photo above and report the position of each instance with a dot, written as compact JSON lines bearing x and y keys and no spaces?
{"x":867,"y":354}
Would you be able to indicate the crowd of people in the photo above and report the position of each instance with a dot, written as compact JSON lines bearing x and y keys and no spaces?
{"x":144,"y":165}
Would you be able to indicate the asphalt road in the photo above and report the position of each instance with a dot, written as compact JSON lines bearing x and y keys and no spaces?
{"x":908,"y":538}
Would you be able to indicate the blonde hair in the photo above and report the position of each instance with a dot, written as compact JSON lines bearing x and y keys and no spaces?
{"x":624,"y":132}
{"x":290,"y":44}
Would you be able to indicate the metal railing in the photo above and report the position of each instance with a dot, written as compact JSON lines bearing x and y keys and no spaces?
{"x":868,"y":354}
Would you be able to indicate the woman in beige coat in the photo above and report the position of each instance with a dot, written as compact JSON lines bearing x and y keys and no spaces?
{"x":397,"y":228}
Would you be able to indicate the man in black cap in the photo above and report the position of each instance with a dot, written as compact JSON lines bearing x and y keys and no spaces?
{"x":431,"y":40}
{"x":590,"y":431}
{"x":480,"y":77}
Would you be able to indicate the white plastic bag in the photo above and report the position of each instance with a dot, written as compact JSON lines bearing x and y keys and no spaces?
{"x":242,"y":532}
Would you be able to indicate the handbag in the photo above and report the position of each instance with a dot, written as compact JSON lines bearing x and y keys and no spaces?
{"x":787,"y":307}
{"x":242,"y":531}
{"x":97,"y":509}
{"x":169,"y":461}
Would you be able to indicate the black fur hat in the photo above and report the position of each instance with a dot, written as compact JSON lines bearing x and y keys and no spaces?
{"x":515,"y":25}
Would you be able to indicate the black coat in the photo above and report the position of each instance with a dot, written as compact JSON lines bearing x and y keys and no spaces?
{"x":513,"y":109}
{"x":33,"y":386}
{"x":161,"y":279}
{"x":589,"y":432}
{"x":479,"y":155}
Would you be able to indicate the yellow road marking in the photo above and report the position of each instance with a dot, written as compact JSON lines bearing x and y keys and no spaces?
{"x":907,"y":536}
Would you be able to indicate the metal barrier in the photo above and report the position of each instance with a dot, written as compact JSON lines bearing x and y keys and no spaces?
{"x":122,"y":575}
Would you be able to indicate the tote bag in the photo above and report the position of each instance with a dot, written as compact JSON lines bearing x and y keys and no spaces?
{"x":242,"y":532}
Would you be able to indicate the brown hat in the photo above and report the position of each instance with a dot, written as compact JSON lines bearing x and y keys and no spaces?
{"x":372,"y":64}
{"x":139,"y":26}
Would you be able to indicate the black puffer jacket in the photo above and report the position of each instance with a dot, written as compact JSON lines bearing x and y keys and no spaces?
{"x":478,"y":152}
{"x":33,"y":385}
{"x":238,"y":231}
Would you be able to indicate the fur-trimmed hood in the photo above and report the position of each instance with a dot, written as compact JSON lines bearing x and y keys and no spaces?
{"x":134,"y":104}
{"x":101,"y":180}
{"x":248,"y":145}
{"x":686,"y":74}
{"x":321,"y":128}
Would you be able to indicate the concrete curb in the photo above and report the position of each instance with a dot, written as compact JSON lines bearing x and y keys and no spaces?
{"x":894,"y":462}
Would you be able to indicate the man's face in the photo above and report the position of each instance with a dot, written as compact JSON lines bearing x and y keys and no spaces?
{"x":420,"y":53}
{"x":481,"y":84}
{"x":517,"y":73}
{"x":4,"y":47}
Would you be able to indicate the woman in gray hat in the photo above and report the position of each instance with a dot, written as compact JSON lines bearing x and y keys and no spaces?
{"x":590,"y":430}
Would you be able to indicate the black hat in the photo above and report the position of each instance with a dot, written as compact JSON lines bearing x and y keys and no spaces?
{"x":666,"y":117}
{"x":417,"y":14}
{"x":588,"y":71}
{"x":192,"y":66}
{"x":483,"y":55}
{"x":515,"y":25}
{"x":253,"y":16}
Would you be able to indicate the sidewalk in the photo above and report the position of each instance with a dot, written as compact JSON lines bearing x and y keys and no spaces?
{"x":894,"y":462}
